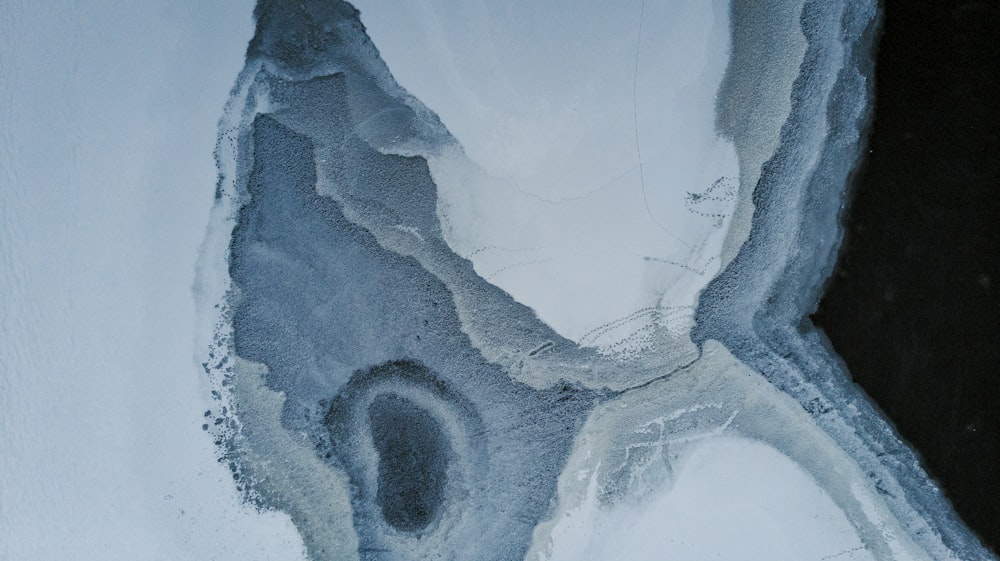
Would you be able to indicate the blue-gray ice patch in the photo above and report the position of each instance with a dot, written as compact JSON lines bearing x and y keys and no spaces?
{"x":447,"y":455}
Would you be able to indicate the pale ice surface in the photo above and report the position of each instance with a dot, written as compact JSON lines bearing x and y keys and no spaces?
{"x":592,"y":155}
{"x":715,"y":462}
{"x":108,"y":119}
{"x":108,"y":131}
{"x":733,"y":499}
{"x":596,"y":178}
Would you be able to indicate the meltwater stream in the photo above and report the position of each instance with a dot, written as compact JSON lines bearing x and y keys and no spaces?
{"x":441,"y":340}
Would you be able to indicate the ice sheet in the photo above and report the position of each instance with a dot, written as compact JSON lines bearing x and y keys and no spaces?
{"x":588,"y":152}
{"x":358,"y":213}
{"x":108,"y":119}
{"x":640,"y":381}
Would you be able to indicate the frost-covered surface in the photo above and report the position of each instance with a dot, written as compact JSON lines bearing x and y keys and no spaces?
{"x":446,"y":332}
{"x":756,"y":306}
{"x":761,"y":507}
{"x":600,"y":124}
{"x":386,"y":376}
{"x":715,"y":461}
{"x":108,"y":117}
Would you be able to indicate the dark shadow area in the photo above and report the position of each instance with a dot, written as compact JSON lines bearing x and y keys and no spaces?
{"x":413,"y":462}
{"x":913,"y":305}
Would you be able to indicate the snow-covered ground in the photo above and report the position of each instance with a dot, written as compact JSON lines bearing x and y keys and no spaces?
{"x":108,"y":117}
{"x":587,"y":178}
{"x":732,"y":499}
{"x":592,"y":154}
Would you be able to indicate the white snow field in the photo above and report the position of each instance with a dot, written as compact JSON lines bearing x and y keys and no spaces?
{"x":592,"y":154}
{"x":602,"y":174}
{"x":598,"y":169}
{"x":108,"y":117}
